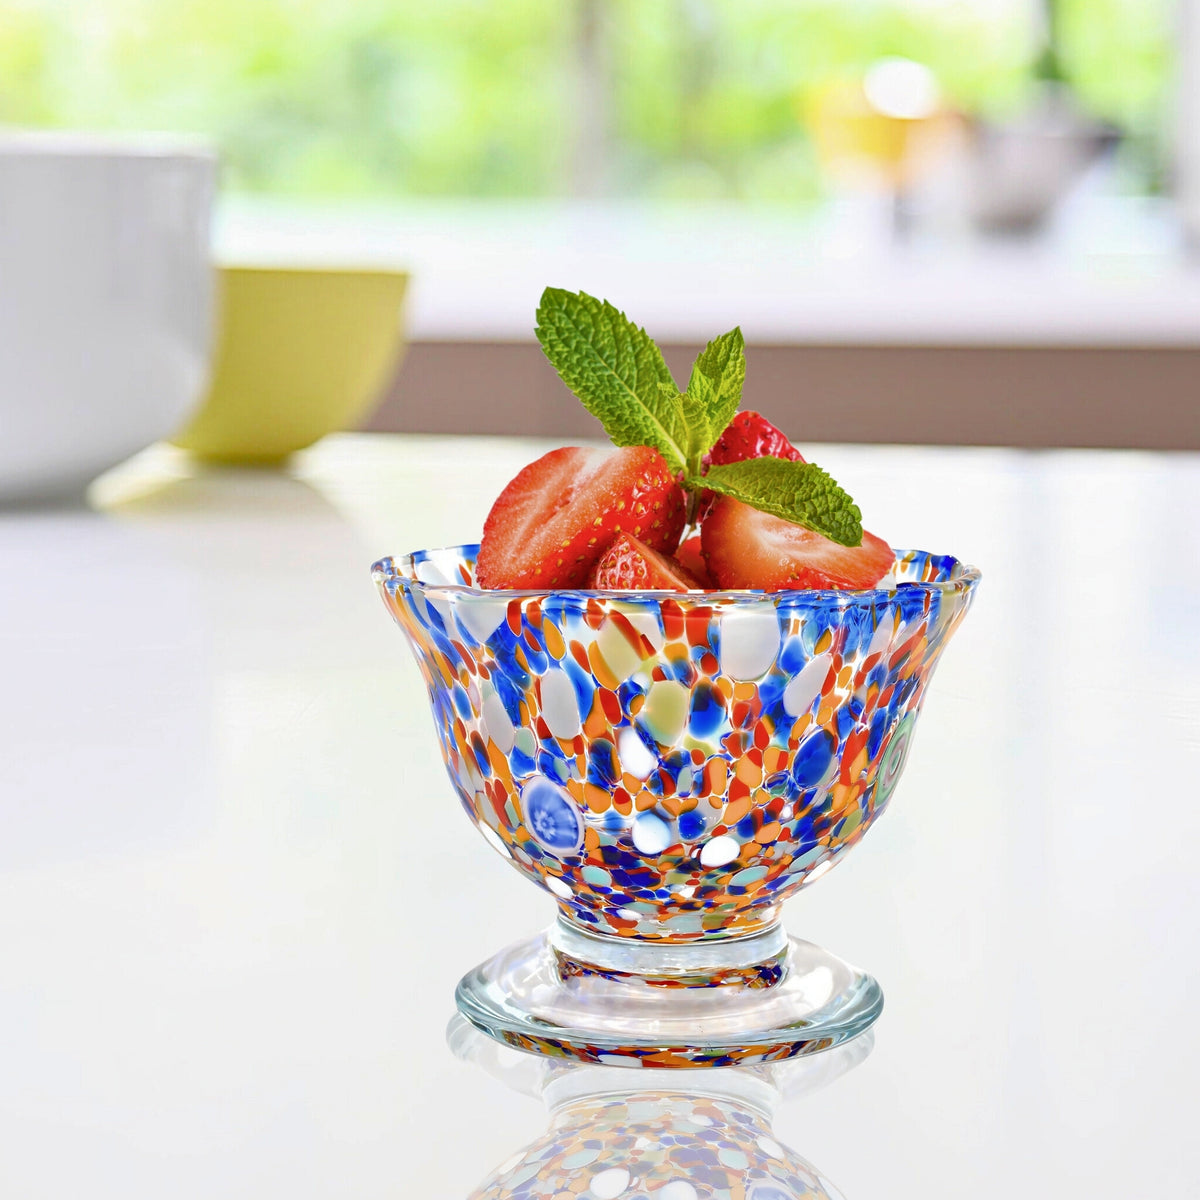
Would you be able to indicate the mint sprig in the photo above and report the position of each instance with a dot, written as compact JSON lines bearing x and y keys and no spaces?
{"x":621,"y":378}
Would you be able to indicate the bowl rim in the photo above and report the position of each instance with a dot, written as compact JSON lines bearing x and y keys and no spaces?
{"x":964,"y":578}
{"x":110,"y":145}
{"x":291,"y":268}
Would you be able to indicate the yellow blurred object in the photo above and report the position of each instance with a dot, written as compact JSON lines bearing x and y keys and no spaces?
{"x":302,"y":352}
{"x":890,"y":125}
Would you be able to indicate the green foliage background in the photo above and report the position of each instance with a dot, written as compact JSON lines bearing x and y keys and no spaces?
{"x":370,"y":99}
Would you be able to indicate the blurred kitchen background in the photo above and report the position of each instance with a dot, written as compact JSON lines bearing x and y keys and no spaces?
{"x":939,"y":221}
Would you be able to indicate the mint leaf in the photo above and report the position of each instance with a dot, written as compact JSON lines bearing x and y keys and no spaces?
{"x":616,"y":370}
{"x":717,"y":378}
{"x":698,"y":401}
{"x":799,"y":492}
{"x":695,"y":418}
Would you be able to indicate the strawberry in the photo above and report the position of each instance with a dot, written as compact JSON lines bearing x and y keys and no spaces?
{"x":751,"y":435}
{"x":551,"y":524}
{"x":691,"y":558}
{"x":747,"y":548}
{"x":629,"y":563}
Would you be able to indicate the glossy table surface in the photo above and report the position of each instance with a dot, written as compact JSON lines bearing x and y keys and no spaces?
{"x":236,"y":890}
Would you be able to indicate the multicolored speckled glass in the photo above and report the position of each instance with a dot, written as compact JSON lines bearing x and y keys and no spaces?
{"x":671,"y":767}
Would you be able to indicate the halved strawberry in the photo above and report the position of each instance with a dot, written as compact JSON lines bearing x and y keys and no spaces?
{"x":691,"y":558}
{"x":751,"y":435}
{"x":629,"y":563}
{"x":551,"y":524}
{"x":747,"y":548}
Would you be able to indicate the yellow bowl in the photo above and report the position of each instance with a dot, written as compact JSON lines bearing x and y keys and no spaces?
{"x":302,"y":352}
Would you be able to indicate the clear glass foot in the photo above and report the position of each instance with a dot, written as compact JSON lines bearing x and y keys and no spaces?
{"x":760,"y":998}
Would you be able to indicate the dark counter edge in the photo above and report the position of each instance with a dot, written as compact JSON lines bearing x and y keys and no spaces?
{"x":1147,"y":398}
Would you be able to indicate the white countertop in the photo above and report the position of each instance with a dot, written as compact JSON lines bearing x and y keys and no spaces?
{"x":1109,"y":272}
{"x":236,"y":890}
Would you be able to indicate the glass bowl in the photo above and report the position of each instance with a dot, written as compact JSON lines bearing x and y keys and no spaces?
{"x":671,"y":767}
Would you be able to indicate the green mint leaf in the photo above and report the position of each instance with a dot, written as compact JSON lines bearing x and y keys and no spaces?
{"x":698,"y":401}
{"x":695,"y":418}
{"x":717,"y":378}
{"x":616,"y":370}
{"x":799,"y":492}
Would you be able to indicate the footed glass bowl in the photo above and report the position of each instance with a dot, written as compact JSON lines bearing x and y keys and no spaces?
{"x":671,"y":767}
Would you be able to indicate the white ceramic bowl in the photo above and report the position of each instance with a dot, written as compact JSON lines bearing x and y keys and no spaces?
{"x":106,"y":302}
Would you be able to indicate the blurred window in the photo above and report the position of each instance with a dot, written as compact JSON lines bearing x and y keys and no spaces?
{"x":675,"y":98}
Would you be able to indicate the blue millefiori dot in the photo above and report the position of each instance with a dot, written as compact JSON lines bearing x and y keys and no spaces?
{"x":770,"y":691}
{"x":552,"y":817}
{"x":510,"y":696}
{"x":583,"y":683}
{"x":804,"y":829}
{"x":812,"y":759}
{"x":851,"y":631}
{"x":707,"y":711}
{"x":518,"y":678}
{"x":878,"y":729}
{"x":845,"y":722}
{"x":613,"y":822}
{"x":792,"y":657}
{"x":520,"y":762}
{"x":602,"y":765}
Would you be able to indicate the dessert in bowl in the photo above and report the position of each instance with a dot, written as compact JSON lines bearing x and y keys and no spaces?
{"x":670,"y":763}
{"x":671,"y":768}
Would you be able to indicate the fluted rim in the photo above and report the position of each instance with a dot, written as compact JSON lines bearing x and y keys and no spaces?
{"x":953,"y":576}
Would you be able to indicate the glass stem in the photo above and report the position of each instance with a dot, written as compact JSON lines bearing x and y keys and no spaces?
{"x":629,"y":956}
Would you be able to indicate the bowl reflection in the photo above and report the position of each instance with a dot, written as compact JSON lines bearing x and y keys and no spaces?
{"x":616,"y":1133}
